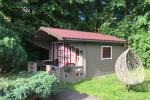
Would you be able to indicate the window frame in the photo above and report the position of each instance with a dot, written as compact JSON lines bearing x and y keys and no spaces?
{"x":110,"y":58}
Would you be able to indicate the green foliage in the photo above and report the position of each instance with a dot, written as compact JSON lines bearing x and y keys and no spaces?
{"x":31,"y":85}
{"x":12,"y":55}
{"x":134,"y":27}
{"x":141,"y":45}
{"x":121,"y":18}
{"x":143,"y":22}
{"x":117,"y":3}
{"x":36,"y":13}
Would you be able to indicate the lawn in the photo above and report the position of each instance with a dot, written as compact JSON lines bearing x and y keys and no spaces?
{"x":110,"y":88}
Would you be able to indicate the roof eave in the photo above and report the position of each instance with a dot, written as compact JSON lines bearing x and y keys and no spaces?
{"x":106,"y":41}
{"x":50,"y":33}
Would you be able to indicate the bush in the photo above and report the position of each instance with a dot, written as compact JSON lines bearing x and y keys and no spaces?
{"x":4,"y":84}
{"x":141,"y":45}
{"x":35,"y":85}
{"x":12,"y":55}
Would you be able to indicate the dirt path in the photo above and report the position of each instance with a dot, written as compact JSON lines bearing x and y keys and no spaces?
{"x":66,"y":94}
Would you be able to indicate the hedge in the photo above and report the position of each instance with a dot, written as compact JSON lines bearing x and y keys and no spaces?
{"x":31,"y":86}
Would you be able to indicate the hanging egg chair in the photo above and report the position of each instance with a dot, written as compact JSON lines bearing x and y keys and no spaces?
{"x":129,"y":68}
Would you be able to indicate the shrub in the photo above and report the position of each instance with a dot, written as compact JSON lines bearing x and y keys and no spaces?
{"x":35,"y":85}
{"x":12,"y":54}
{"x":141,"y":45}
{"x":4,"y":84}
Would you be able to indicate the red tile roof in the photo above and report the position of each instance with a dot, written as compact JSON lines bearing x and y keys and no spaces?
{"x":64,"y":34}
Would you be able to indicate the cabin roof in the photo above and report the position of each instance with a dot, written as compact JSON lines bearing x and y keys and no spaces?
{"x":66,"y":34}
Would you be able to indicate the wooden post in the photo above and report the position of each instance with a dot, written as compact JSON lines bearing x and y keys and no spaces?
{"x":32,"y":66}
{"x":48,"y":69}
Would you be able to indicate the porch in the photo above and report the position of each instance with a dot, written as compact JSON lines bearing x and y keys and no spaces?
{"x":66,"y":62}
{"x":61,"y":53}
{"x":68,"y":73}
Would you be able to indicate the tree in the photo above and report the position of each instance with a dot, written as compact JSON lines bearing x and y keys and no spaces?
{"x":12,"y":55}
{"x":141,"y":44}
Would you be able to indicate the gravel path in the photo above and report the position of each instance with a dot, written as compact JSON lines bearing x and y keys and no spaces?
{"x":66,"y":94}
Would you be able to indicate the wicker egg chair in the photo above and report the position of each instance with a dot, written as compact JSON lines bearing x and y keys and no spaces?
{"x":129,"y":68}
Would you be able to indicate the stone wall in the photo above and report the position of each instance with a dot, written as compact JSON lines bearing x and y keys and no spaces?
{"x":75,"y":75}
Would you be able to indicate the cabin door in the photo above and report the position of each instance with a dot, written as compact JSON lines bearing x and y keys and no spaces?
{"x":79,"y":58}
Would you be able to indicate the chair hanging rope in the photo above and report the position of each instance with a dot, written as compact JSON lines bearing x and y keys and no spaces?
{"x":129,"y":68}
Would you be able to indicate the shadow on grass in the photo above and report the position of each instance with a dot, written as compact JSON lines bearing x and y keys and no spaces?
{"x":67,"y":94}
{"x":142,"y":87}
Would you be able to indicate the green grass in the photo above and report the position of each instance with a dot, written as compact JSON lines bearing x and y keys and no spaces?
{"x":110,"y":88}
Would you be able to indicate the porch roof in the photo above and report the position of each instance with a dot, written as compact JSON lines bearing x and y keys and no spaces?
{"x":65,"y":34}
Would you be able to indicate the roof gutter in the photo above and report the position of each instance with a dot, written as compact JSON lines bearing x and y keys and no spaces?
{"x":104,"y":41}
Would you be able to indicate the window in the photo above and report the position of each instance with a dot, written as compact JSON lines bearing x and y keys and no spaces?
{"x":67,"y":54}
{"x":106,"y":52}
{"x":63,"y":54}
{"x":79,"y":57}
{"x":60,"y":54}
